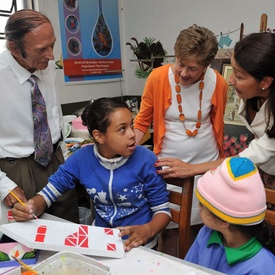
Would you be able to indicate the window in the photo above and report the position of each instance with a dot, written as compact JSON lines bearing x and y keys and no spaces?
{"x":7,"y":8}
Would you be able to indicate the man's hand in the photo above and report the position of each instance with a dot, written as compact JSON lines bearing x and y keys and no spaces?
{"x":10,"y":200}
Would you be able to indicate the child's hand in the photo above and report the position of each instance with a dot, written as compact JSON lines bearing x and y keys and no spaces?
{"x":23,"y":213}
{"x":138,"y":235}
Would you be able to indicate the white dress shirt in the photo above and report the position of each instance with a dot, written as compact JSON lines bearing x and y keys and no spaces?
{"x":261,"y":150}
{"x":16,"y":122}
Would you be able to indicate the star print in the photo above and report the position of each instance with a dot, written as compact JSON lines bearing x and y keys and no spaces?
{"x":139,"y":187}
{"x":125,"y":189}
{"x":122,"y":197}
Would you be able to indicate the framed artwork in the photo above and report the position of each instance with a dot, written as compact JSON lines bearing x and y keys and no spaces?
{"x":227,"y":71}
{"x":233,"y":101}
{"x":218,"y":64}
{"x":236,"y":135}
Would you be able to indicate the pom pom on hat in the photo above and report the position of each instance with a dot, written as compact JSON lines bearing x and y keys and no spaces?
{"x":234,"y":192}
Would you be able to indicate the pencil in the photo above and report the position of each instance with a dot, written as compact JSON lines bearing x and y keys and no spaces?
{"x":24,"y":265}
{"x":20,"y":201}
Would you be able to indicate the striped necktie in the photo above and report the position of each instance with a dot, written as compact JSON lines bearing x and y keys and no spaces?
{"x":43,"y":147}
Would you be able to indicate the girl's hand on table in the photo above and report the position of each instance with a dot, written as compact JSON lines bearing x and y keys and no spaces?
{"x":138,"y":235}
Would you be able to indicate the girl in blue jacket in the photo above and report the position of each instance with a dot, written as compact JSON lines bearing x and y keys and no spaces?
{"x":119,"y":177}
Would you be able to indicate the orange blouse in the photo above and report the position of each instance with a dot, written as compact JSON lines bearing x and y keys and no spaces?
{"x":156,"y":99}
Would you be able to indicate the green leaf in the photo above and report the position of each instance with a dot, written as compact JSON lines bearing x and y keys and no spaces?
{"x":29,"y":255}
{"x":4,"y":257}
{"x":149,"y":41}
{"x":142,"y":74}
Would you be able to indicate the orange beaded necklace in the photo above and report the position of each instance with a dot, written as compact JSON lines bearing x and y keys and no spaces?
{"x":179,"y":100}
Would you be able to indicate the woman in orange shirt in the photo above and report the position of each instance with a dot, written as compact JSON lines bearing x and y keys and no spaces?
{"x":185,"y":102}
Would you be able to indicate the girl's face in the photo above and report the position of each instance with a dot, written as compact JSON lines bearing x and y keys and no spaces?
{"x":188,"y":72}
{"x":246,"y":86}
{"x":119,"y":139}
{"x":208,"y":218}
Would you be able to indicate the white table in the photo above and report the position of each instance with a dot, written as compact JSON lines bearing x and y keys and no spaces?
{"x":139,"y":261}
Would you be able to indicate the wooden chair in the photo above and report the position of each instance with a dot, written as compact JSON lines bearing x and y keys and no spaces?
{"x":270,"y":198}
{"x":182,"y":214}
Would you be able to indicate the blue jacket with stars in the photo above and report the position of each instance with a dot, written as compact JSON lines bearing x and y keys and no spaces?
{"x":125,"y":190}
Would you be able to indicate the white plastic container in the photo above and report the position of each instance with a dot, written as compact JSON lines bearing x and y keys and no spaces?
{"x":68,"y":263}
{"x":71,"y":264}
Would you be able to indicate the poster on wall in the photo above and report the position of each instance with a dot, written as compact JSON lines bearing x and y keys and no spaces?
{"x":90,"y":40}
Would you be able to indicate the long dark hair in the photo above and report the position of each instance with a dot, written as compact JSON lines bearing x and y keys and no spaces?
{"x":256,"y":55}
{"x":263,"y":232}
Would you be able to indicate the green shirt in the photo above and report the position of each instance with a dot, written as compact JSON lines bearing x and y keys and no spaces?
{"x":235,"y":255}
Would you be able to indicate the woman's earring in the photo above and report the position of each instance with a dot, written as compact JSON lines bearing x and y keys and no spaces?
{"x":262,"y":88}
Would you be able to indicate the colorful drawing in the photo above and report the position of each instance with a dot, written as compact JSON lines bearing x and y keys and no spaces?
{"x":101,"y":38}
{"x":72,"y":23}
{"x":71,"y":4}
{"x":74,"y":46}
{"x":15,"y":249}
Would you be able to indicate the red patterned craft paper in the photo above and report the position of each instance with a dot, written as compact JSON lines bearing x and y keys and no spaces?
{"x":60,"y":236}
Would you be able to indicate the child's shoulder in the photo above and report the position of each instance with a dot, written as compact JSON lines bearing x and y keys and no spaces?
{"x":263,"y":263}
{"x":204,"y":235}
{"x":144,"y":155}
{"x":82,"y":152}
{"x":205,"y":232}
{"x":145,"y":151}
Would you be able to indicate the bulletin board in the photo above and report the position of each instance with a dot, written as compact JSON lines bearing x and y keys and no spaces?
{"x":90,"y":40}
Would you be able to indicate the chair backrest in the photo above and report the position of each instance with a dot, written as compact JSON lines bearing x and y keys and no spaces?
{"x":270,"y":198}
{"x":182,"y":214}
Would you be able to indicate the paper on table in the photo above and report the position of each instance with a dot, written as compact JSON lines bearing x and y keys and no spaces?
{"x":59,"y":236}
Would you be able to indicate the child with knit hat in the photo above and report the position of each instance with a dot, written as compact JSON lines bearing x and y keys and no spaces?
{"x":235,"y":238}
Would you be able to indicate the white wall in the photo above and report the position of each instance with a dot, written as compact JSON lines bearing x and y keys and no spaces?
{"x":163,"y":20}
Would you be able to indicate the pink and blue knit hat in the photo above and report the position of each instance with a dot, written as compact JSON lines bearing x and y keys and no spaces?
{"x":234,"y":192}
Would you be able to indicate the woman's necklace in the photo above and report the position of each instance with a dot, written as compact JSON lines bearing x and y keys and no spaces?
{"x":179,"y":100}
